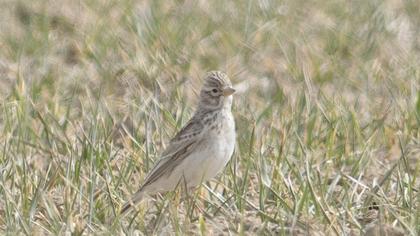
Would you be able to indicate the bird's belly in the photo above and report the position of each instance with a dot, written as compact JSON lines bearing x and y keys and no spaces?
{"x":218,"y":155}
{"x":213,"y":157}
{"x":208,"y":159}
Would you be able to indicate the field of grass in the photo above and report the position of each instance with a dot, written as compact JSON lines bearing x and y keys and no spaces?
{"x":327,"y":114}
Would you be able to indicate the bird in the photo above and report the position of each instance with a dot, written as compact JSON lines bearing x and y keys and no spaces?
{"x":201,"y":149}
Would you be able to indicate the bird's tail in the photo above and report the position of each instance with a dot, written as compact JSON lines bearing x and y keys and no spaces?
{"x":136,"y":199}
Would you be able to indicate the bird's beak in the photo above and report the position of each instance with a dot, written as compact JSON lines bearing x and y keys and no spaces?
{"x":228,"y":91}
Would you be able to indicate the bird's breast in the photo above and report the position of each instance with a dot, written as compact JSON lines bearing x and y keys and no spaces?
{"x":214,"y":150}
{"x":222,"y":132}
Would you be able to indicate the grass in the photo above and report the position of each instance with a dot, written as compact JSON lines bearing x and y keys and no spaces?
{"x":327,"y":113}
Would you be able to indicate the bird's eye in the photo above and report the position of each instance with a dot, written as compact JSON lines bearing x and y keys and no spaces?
{"x":214,"y":90}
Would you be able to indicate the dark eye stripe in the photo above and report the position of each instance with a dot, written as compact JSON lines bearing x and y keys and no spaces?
{"x":211,"y":93}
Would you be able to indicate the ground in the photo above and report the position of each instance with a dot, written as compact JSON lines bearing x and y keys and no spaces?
{"x":327,"y":114}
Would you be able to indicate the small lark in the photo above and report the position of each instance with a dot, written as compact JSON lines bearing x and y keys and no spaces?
{"x":202,"y":147}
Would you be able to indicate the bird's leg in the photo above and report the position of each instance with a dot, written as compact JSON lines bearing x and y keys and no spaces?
{"x":196,"y":206}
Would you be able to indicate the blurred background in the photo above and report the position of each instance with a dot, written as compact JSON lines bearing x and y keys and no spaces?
{"x":327,"y":111}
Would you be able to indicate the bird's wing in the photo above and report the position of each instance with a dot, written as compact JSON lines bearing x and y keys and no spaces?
{"x":179,"y":147}
{"x":187,"y":139}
